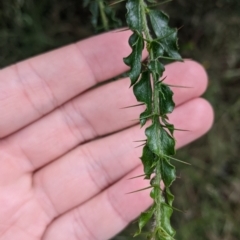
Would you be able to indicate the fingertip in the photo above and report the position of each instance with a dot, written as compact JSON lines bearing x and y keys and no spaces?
{"x":205,"y":111}
{"x":197,"y":72}
{"x":195,"y":116}
{"x":191,"y":78}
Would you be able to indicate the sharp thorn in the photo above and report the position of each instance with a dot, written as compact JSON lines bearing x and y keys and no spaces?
{"x":176,"y":129}
{"x":114,"y":3}
{"x":137,"y":177}
{"x":142,"y":118}
{"x":169,"y":58}
{"x":180,"y":27}
{"x":178,"y":210}
{"x":178,"y":86}
{"x":140,"y":145}
{"x":122,"y":30}
{"x":160,"y":81}
{"x":140,"y":190}
{"x":181,"y":130}
{"x":177,"y":160}
{"x":133,"y":106}
{"x":141,"y":140}
{"x":161,"y":3}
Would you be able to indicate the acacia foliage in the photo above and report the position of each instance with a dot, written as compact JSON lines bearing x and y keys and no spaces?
{"x":150,"y":29}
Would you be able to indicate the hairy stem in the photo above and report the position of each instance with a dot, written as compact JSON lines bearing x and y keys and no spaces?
{"x":158,"y":200}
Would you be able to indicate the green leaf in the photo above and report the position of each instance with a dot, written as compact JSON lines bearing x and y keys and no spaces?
{"x":143,"y":89}
{"x":168,"y":172}
{"x":156,"y":190}
{"x":157,"y":49}
{"x":153,"y":194}
{"x":134,"y":15}
{"x":159,"y":141}
{"x":134,"y":59}
{"x":144,"y":218}
{"x":166,"y":102}
{"x":169,"y":196}
{"x":165,"y":220}
{"x":143,"y":92}
{"x":144,"y":116}
{"x":166,"y":36}
{"x":156,"y":67}
{"x":148,"y":159}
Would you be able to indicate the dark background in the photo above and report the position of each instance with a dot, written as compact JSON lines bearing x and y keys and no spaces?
{"x":208,"y":191}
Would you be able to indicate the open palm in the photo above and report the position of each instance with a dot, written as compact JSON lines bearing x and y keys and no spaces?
{"x":66,"y":148}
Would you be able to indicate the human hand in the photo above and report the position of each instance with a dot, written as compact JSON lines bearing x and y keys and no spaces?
{"x":66,"y":149}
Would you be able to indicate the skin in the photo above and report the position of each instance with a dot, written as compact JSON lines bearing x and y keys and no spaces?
{"x":66,"y":148}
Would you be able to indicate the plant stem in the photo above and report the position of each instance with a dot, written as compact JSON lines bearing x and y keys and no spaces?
{"x":155,"y":119}
{"x":103,"y":15}
{"x":144,"y":20}
{"x":158,"y":177}
{"x":158,"y":194}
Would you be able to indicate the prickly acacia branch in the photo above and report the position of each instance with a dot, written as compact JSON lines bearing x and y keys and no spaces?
{"x":150,"y":29}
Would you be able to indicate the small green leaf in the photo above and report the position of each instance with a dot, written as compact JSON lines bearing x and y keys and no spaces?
{"x":168,"y":172}
{"x":157,"y":49}
{"x":165,"y":99}
{"x":159,"y":141}
{"x":143,"y":92}
{"x":156,"y":67}
{"x":169,"y":196}
{"x":134,"y":59}
{"x":166,"y":36}
{"x":148,"y":159}
{"x":155,"y":191}
{"x":144,"y":218}
{"x":153,"y":194}
{"x":165,"y":220}
{"x":144,"y":116}
{"x":134,"y":15}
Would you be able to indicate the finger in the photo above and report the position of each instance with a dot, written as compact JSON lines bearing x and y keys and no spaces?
{"x":97,"y":113}
{"x":90,"y":168}
{"x":105,"y":215}
{"x":36,"y":86}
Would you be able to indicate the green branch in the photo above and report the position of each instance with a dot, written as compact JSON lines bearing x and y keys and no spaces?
{"x":161,"y":43}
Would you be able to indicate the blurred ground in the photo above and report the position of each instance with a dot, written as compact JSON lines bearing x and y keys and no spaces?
{"x":209,"y":191}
